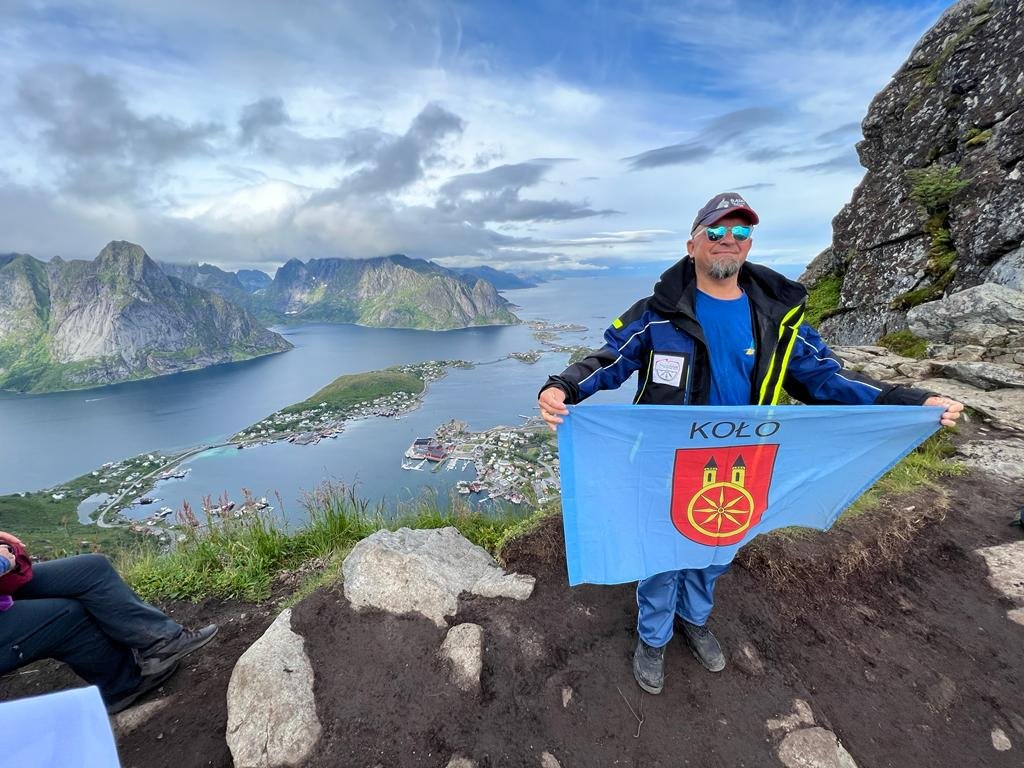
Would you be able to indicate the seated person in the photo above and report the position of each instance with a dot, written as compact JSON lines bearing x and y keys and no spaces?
{"x":78,"y":610}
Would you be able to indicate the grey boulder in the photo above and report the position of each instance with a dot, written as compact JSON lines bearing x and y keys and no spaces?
{"x":1004,"y":407}
{"x":1009,"y":270}
{"x":987,"y":315}
{"x":1003,"y":458}
{"x":814,"y":748}
{"x":985,"y":376}
{"x":463,"y":649}
{"x":272,"y":718}
{"x":425,"y":571}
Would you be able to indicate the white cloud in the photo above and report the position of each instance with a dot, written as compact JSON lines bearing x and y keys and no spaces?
{"x":567,"y":101}
{"x":259,"y":207}
{"x":334,"y":164}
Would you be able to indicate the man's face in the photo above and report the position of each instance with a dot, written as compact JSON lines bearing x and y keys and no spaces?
{"x":723,"y":258}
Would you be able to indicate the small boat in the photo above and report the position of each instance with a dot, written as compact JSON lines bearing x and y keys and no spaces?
{"x":146,"y":500}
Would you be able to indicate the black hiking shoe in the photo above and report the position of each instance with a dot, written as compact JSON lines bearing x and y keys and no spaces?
{"x":704,"y":646}
{"x":146,"y":684}
{"x":156,"y":660}
{"x":649,"y":667}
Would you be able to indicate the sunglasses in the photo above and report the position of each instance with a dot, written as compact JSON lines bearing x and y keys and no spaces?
{"x":740,"y":232}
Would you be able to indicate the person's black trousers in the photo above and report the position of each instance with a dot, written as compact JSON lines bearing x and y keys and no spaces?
{"x":78,"y":610}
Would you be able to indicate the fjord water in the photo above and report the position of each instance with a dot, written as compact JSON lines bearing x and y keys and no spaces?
{"x":51,"y":438}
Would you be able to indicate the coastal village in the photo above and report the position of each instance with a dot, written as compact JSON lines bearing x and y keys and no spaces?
{"x":308,"y":423}
{"x":106,"y":493}
{"x":513,"y":464}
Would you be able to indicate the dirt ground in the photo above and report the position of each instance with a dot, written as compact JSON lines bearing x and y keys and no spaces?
{"x":885,"y":626}
{"x":189,"y":729}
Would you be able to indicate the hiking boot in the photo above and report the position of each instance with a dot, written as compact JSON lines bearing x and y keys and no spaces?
{"x":704,"y":646}
{"x":649,"y":667}
{"x":146,"y":684}
{"x":156,"y":660}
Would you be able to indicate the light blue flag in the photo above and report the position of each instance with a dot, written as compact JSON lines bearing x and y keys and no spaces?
{"x":69,"y":729}
{"x":655,"y":488}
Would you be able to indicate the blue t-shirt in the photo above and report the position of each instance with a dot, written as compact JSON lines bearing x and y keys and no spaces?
{"x":730,"y":337}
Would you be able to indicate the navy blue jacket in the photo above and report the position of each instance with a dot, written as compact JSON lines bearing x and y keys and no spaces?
{"x":660,"y":337}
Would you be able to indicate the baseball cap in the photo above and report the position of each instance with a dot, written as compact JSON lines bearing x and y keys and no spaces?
{"x":721,"y":205}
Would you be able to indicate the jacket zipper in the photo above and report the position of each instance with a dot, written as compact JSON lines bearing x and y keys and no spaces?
{"x":770,"y":387}
{"x":647,"y":378}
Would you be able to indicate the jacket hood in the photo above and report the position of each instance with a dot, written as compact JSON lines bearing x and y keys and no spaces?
{"x":767,"y":289}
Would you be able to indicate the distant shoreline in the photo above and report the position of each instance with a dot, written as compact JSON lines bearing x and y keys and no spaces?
{"x":128,"y":479}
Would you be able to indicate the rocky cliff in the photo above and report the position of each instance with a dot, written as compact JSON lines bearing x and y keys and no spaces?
{"x":253,"y":279}
{"x":496,"y":277}
{"x":227,"y":285}
{"x":88,"y":323}
{"x":940,"y":211}
{"x":391,"y":291}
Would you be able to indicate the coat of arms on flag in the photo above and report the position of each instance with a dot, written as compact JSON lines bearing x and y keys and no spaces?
{"x":655,"y":488}
{"x":718,"y":495}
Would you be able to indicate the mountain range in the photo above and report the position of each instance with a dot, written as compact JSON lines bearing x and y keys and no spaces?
{"x":70,"y":324}
{"x":500,"y":279}
{"x":389,"y":291}
{"x":121,"y":316}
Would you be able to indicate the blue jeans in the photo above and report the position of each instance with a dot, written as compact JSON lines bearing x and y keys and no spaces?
{"x":78,"y":610}
{"x":687,"y":594}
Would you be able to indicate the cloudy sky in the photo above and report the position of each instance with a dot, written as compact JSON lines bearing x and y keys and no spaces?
{"x":528,"y":135}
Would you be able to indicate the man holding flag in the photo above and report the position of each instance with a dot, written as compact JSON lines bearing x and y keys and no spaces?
{"x":717,"y":331}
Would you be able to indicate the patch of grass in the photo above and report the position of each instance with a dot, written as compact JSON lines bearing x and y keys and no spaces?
{"x":50,"y":528}
{"x":823,"y":298}
{"x":905,"y":343}
{"x":487,"y":531}
{"x":346,"y":391}
{"x":975,"y":137}
{"x":922,"y":467}
{"x":930,"y":292}
{"x":941,"y":253}
{"x":350,"y":396}
{"x":786,"y":399}
{"x":795,"y":556}
{"x":933,"y":187}
{"x":525,"y":526}
{"x":329,"y":574}
{"x":241,"y":558}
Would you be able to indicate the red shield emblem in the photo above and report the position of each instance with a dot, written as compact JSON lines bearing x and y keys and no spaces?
{"x":719,"y":494}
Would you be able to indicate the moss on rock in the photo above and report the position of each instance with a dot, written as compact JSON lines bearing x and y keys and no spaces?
{"x":905,"y":343}
{"x":823,"y":298}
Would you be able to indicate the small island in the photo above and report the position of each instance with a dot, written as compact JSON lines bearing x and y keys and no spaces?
{"x":530,"y":357}
{"x":388,"y":392}
{"x":513,"y":464}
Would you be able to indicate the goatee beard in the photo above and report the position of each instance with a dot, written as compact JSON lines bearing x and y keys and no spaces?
{"x":724,"y":268}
